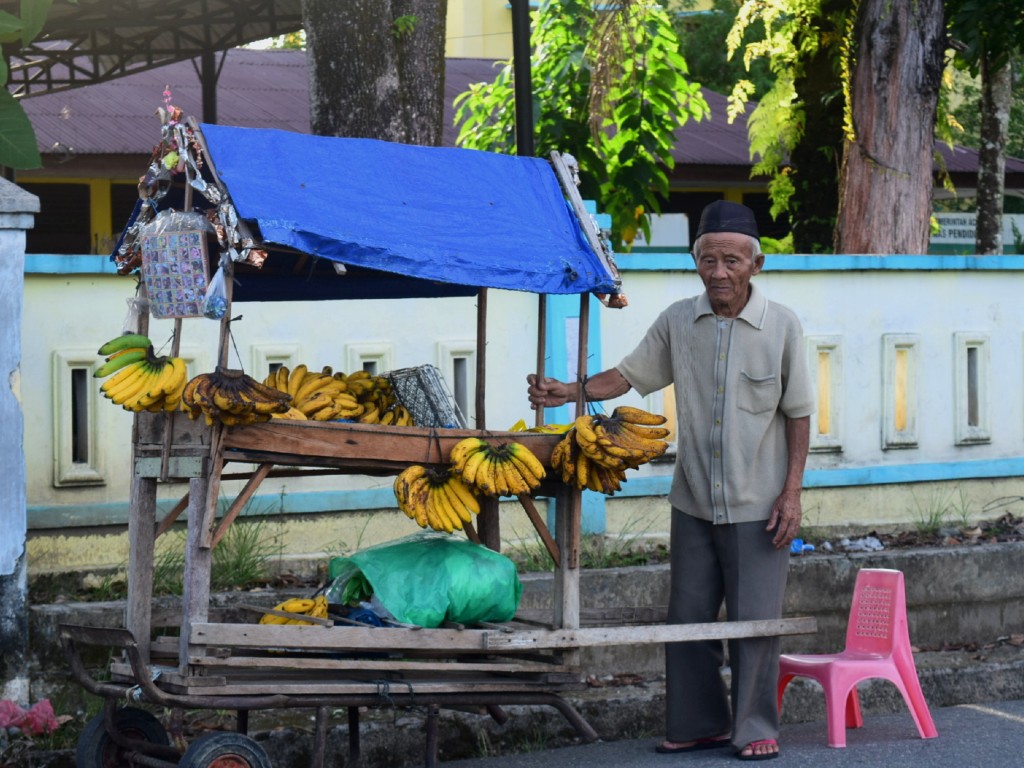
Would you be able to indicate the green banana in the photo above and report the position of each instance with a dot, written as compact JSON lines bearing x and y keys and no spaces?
{"x":121,"y":361}
{"x":125,"y":341}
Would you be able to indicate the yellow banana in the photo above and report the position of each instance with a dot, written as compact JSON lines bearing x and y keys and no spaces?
{"x":134,"y":386}
{"x":297,"y":605}
{"x":514,"y":479}
{"x":403,"y":483}
{"x":295,"y":379}
{"x":281,"y":376}
{"x":525,"y":456}
{"x":466,"y":497}
{"x":371,"y":416}
{"x":585,"y":429}
{"x":472,"y":465}
{"x":160,"y":381}
{"x":647,"y":433}
{"x":463,"y":449}
{"x":638,"y":416}
{"x":313,"y":382}
{"x":443,"y":514}
{"x":455,"y":502}
{"x":530,"y":480}
{"x":314,"y":403}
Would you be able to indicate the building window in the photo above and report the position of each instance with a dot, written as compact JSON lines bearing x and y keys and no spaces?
{"x":971,"y":368}
{"x":63,"y":224}
{"x":825,"y":362}
{"x":77,"y":457}
{"x":899,"y":391}
{"x":456,"y":360}
{"x":375,"y":358}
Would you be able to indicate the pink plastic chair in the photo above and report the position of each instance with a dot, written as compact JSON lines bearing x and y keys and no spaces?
{"x":877,"y":646}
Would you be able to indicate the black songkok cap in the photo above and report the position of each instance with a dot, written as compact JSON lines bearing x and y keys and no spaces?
{"x":723,"y":216}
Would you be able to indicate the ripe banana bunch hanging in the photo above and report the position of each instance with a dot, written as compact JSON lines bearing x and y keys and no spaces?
{"x":139,"y":380}
{"x":509,"y":469}
{"x":315,"y":607}
{"x":598,"y":450}
{"x":231,"y":397}
{"x":435,"y":498}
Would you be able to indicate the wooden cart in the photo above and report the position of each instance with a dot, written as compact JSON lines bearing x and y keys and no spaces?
{"x":212,"y":664}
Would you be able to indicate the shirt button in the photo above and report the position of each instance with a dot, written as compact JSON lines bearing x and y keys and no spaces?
{"x":721,"y":356}
{"x":718,"y":485}
{"x":721,"y":390}
{"x":718,"y":421}
{"x":718,"y":454}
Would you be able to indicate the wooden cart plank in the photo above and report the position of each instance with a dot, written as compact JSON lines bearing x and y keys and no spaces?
{"x":295,"y":442}
{"x":469,"y":640}
{"x":384,"y":688}
{"x":264,"y":663}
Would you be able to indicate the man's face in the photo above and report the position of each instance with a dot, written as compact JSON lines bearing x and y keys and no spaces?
{"x":726,"y":266}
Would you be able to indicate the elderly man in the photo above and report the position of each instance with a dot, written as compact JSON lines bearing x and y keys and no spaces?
{"x":744,"y":400}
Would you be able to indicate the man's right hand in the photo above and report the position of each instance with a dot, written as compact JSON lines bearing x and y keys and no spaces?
{"x":546,"y":392}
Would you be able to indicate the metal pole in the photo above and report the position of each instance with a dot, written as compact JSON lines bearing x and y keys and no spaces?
{"x":523,"y":89}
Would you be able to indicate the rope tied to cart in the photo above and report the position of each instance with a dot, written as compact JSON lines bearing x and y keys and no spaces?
{"x":384,"y":692}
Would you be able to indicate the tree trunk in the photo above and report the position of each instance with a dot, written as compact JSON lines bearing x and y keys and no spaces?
{"x":376,"y":68}
{"x":885,"y":187}
{"x":995,"y":125}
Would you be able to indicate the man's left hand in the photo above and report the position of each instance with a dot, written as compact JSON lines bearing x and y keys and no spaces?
{"x":785,"y":519}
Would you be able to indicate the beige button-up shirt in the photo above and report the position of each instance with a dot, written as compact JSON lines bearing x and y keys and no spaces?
{"x":736,"y":380}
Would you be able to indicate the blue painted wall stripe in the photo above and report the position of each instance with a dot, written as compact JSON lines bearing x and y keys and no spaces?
{"x":668,"y":261}
{"x":682,"y":262}
{"x":40,"y":517}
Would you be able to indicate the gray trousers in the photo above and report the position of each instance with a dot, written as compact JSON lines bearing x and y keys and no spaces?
{"x":737,"y":563}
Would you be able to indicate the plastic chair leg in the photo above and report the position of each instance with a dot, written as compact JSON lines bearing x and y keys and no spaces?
{"x":854,"y":717}
{"x":914,"y":697}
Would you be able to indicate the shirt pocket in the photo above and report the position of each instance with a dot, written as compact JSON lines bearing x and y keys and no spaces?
{"x":757,"y":394}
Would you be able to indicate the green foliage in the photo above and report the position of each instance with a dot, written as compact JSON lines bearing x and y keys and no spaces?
{"x":968,"y":112}
{"x":403,"y":26}
{"x":18,"y":148}
{"x":702,"y":36}
{"x":610,"y":87}
{"x":241,"y":559}
{"x":992,"y":28}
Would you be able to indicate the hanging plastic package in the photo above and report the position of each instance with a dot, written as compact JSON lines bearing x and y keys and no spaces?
{"x":429,"y":578}
{"x":215,"y":301}
{"x":175,"y":263}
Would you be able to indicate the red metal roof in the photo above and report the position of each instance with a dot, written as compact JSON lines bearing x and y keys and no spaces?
{"x":268,"y":88}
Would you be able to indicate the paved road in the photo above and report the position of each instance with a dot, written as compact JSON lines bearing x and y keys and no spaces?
{"x":987,"y":735}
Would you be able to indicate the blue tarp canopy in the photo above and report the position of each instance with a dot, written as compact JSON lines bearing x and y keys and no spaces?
{"x":447,"y":218}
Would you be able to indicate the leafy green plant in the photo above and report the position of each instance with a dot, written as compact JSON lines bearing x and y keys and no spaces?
{"x":933,"y":512}
{"x":242,"y":558}
{"x":610,"y":87}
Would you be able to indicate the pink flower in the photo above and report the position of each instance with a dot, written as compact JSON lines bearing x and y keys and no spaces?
{"x":10,"y":714}
{"x":38,"y":719}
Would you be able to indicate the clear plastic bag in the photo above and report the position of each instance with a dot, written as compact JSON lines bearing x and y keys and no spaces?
{"x":215,"y":300}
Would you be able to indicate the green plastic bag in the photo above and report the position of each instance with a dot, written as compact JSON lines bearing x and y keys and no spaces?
{"x":429,"y":578}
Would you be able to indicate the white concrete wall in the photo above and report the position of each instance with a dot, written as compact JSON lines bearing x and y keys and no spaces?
{"x":855,"y":300}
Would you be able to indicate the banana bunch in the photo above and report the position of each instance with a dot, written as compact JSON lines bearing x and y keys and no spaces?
{"x":231,"y":397}
{"x":598,"y":450}
{"x":329,"y":396}
{"x":315,"y":607}
{"x":317,"y":395}
{"x":435,"y":498}
{"x":509,"y":469}
{"x":139,"y":380}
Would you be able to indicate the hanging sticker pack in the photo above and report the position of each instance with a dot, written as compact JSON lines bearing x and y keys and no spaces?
{"x":175,"y":264}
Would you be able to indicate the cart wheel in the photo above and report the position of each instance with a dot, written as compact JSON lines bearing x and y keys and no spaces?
{"x":97,"y":750}
{"x":224,"y":749}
